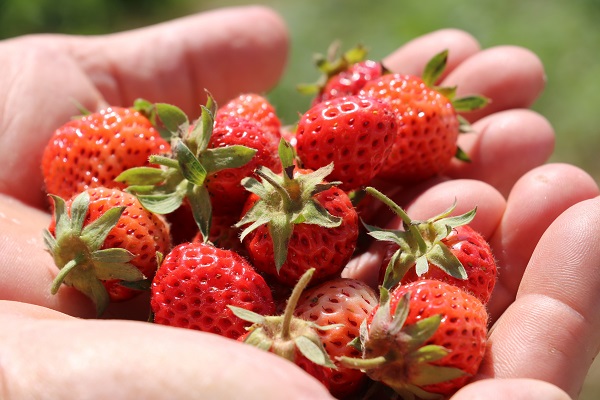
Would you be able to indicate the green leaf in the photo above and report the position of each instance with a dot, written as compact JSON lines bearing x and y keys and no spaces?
{"x":469,"y":103}
{"x":95,"y":290}
{"x":122,"y":271}
{"x":96,"y":232}
{"x":254,"y":186}
{"x":247,"y":315}
{"x":172,"y":117}
{"x":313,"y":352}
{"x":422,"y":264}
{"x":258,"y":217}
{"x":191,"y":168}
{"x":443,"y":258}
{"x":61,"y":217}
{"x":221,"y":158}
{"x":79,"y":210}
{"x":314,"y":213}
{"x":286,"y":154}
{"x":164,"y":161}
{"x":429,"y":353}
{"x":202,"y":132}
{"x":400,"y":314}
{"x":281,"y":231}
{"x":163,"y":203}
{"x":49,"y":241}
{"x":112,"y":255}
{"x":141,"y":176}
{"x":422,"y":330}
{"x":199,"y":200}
{"x":434,"y":68}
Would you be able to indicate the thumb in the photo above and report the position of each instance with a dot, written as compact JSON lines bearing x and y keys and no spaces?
{"x":226,"y":51}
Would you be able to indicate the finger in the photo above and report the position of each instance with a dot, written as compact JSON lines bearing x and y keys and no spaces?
{"x":512,"y":77}
{"x":149,"y":362}
{"x":226,"y":51}
{"x":552,"y":330}
{"x":513,"y":142}
{"x":434,"y":200}
{"x":536,"y":200}
{"x":412,"y":57}
{"x":31,"y":111}
{"x":513,"y":389}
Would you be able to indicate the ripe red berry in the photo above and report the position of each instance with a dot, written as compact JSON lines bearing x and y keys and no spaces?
{"x":196,"y":283}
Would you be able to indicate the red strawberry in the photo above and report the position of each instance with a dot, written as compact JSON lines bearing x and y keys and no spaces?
{"x":255,"y":108}
{"x":473,"y":252}
{"x":292,"y":338}
{"x":428,"y":123}
{"x":443,"y":247}
{"x":101,"y":237}
{"x":424,"y":338}
{"x":186,"y":173}
{"x":346,"y":302}
{"x":224,"y":186}
{"x":296,"y":221}
{"x":342,"y":75}
{"x":355,"y":133}
{"x":350,"y":81}
{"x":196,"y":283}
{"x":93,"y":150}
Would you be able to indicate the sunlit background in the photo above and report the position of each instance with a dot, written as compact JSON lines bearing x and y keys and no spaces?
{"x":565,"y":35}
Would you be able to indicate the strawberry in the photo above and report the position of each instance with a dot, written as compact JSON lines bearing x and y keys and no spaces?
{"x":101,"y":237}
{"x":290,"y":337}
{"x":424,"y":338}
{"x":342,"y":75}
{"x":428,"y":122}
{"x":224,"y":186}
{"x":295,"y":221}
{"x":255,"y":108}
{"x":182,"y":178}
{"x":473,"y":252}
{"x":442,"y":247}
{"x":93,"y":150}
{"x":196,"y":283}
{"x":355,"y":133}
{"x":345,"y":302}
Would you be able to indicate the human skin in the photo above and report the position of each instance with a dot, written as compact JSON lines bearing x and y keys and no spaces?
{"x":539,"y":218}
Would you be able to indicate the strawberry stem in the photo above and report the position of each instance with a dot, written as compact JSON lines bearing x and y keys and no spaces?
{"x":402,"y":214}
{"x":292,"y":302}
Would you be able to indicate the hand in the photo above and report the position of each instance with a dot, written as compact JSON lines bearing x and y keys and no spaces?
{"x":539,"y":218}
{"x":151,"y":360}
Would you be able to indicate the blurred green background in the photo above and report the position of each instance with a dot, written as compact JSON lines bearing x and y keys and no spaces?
{"x":565,"y":35}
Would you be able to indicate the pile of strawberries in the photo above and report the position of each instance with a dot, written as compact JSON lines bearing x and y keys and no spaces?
{"x":241,"y":227}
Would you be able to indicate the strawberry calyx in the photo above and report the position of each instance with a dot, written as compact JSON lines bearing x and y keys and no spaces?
{"x":285,"y":200}
{"x":420,"y":242}
{"x":397,"y":354}
{"x":286,"y":334}
{"x":182,"y":175}
{"x":77,"y":251}
{"x":332,"y":64}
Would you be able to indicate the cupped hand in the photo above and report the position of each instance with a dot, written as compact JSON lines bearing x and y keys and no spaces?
{"x":542,"y":306}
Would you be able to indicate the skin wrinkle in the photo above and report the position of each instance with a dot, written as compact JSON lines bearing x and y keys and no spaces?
{"x":522,"y":333}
